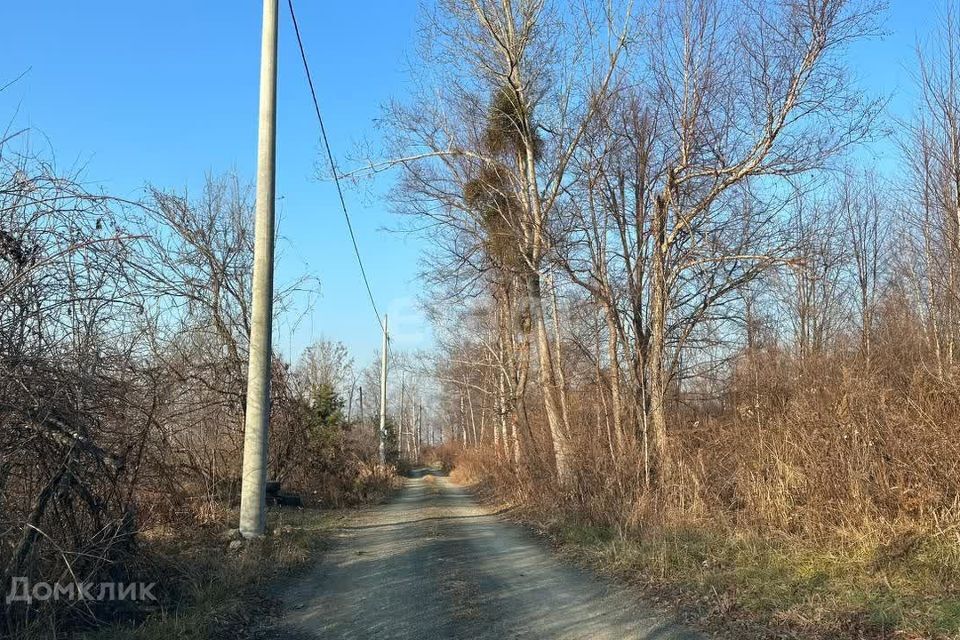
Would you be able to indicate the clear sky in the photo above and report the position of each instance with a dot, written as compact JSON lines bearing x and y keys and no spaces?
{"x":166,"y":91}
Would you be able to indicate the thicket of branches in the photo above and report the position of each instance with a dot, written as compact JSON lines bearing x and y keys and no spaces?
{"x":123,"y":349}
{"x":680,"y":293}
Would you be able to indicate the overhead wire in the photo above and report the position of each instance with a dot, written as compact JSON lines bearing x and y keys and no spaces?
{"x":333,"y":166}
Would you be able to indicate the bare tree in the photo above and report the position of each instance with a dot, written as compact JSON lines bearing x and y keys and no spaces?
{"x":932,"y":150}
{"x":487,"y":145}
{"x":71,"y":413}
{"x":869,"y":226}
{"x":745,"y":92}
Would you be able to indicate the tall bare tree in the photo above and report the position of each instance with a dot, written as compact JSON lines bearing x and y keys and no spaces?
{"x":488,"y":142}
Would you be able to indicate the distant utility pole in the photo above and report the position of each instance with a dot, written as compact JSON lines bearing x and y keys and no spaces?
{"x":383,"y":395}
{"x":361,"y":408}
{"x":417,"y":444}
{"x":256,"y":430}
{"x":349,"y":402}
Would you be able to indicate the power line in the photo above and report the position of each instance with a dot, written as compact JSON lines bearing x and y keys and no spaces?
{"x":333,"y":166}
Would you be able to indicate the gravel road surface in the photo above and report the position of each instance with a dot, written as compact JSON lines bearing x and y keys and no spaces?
{"x":434,"y":564}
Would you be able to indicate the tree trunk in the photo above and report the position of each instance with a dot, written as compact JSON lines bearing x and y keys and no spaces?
{"x":548,"y":381}
{"x":463,"y":420}
{"x":658,"y":339}
{"x":496,"y":428}
{"x":616,"y":396}
{"x":473,"y":419}
{"x":558,"y":362}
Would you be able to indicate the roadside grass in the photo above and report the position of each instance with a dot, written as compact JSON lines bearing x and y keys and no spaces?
{"x":206,"y":591}
{"x":904,"y":585}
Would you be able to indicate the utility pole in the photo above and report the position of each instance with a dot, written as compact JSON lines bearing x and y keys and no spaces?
{"x":349,"y":402}
{"x":256,"y":429}
{"x":361,"y":408}
{"x":418,"y":442}
{"x":383,"y":395}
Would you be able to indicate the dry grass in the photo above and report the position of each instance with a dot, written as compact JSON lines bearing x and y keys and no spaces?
{"x":834,"y":514}
{"x":206,"y":591}
{"x":784,"y":587}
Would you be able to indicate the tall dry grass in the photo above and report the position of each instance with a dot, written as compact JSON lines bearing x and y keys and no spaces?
{"x":818,"y":497}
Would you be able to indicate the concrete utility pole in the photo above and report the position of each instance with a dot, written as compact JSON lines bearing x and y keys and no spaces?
{"x":383,"y":395}
{"x":349,"y":402}
{"x":256,"y":429}
{"x":419,"y":430}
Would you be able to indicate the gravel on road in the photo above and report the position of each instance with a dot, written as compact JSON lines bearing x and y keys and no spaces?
{"x":434,"y":564}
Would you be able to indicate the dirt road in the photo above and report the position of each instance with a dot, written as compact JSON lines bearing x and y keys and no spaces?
{"x":433,"y":564}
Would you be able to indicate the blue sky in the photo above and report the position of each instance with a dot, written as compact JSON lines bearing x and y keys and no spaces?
{"x":167,"y":91}
{"x":164,"y":92}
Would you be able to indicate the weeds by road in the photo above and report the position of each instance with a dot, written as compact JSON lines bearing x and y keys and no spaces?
{"x":775,"y":587}
{"x":207,"y":590}
{"x":741,"y":585}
